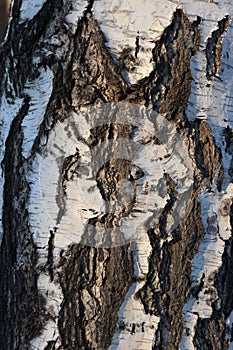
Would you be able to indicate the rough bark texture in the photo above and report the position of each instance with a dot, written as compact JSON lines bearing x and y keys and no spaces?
{"x":94,"y":281}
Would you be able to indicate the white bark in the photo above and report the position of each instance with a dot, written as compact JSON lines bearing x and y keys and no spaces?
{"x":116,"y":192}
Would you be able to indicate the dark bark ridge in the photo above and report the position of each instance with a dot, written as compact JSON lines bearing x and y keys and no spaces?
{"x":214,"y":49}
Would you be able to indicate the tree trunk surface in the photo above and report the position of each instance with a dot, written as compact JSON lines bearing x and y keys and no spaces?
{"x":116,"y":175}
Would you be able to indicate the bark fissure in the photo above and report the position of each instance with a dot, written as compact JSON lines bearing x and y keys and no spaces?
{"x":214,"y":49}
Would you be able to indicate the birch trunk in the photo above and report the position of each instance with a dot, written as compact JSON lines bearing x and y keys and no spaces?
{"x":116,"y":175}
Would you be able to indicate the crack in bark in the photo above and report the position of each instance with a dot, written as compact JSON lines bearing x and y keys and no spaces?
{"x":50,"y":255}
{"x":214,"y":49}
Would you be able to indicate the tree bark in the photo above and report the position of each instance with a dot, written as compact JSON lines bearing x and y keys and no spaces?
{"x":116,"y":164}
{"x":4,"y":12}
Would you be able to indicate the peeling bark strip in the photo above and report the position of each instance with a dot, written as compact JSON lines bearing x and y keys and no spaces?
{"x":128,"y":89}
